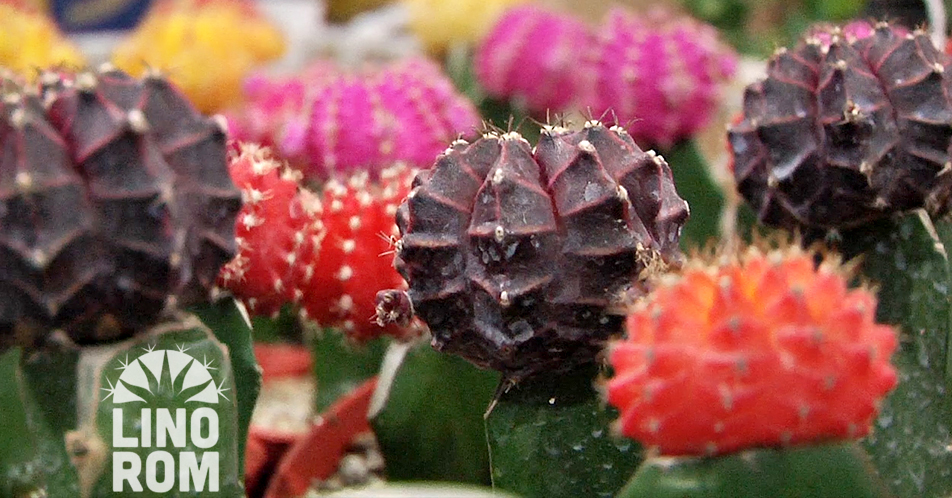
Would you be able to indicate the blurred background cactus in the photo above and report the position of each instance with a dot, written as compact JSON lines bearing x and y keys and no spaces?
{"x":473,"y":248}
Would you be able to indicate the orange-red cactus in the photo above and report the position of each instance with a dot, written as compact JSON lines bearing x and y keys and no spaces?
{"x":764,"y":350}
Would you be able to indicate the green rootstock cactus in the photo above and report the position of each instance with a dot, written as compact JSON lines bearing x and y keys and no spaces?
{"x":909,"y":444}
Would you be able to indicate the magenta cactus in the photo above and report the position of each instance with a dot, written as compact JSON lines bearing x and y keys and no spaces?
{"x":271,"y":102}
{"x":330,"y":120}
{"x":658,"y":74}
{"x":533,"y":55}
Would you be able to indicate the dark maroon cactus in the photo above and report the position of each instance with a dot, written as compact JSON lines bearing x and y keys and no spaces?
{"x":518,"y":259}
{"x":50,"y":258}
{"x":147,"y":217}
{"x":851,"y":125}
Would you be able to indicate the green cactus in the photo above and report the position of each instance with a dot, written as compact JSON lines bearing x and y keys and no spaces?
{"x":907,"y":261}
{"x":550,"y":437}
{"x":833,"y":470}
{"x":431,"y":427}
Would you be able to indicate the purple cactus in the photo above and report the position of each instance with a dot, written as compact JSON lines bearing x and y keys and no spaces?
{"x":533,"y":55}
{"x":660,"y":74}
{"x":368,"y":119}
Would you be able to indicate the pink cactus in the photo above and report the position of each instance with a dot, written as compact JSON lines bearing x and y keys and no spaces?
{"x":533,"y":55}
{"x":660,"y":74}
{"x":330,"y":120}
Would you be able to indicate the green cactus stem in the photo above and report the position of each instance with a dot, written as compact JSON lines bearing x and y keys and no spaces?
{"x":906,"y":259}
{"x":431,"y":427}
{"x":550,"y":437}
{"x":833,"y":470}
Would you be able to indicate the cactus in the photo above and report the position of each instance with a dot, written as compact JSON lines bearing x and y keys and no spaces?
{"x":764,"y":349}
{"x":116,"y":211}
{"x":849,"y":127}
{"x":441,"y":25}
{"x":911,"y":271}
{"x":727,"y":338}
{"x":269,"y":103}
{"x":353,"y":120}
{"x":831,"y":470}
{"x":279,"y":233}
{"x":872,"y":115}
{"x":322,"y":253}
{"x":101,"y":251}
{"x":207,"y":46}
{"x":352,"y":266}
{"x":496,"y":246}
{"x":661,"y":73}
{"x":532,"y":55}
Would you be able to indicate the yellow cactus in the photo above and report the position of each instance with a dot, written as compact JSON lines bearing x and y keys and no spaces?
{"x":29,"y":40}
{"x":206,"y":47}
{"x":442,"y":23}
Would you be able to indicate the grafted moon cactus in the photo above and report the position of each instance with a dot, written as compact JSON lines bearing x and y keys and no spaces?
{"x":516,"y":257}
{"x":851,"y":125}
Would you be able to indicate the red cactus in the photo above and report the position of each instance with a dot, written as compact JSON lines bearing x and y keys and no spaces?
{"x":278,"y":231}
{"x":353,"y":264}
{"x":761,"y":351}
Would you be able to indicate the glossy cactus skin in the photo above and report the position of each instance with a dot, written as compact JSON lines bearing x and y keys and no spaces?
{"x":658,"y":74}
{"x":515,"y":258}
{"x":207,"y":46}
{"x":148,"y":225}
{"x":848,"y":127}
{"x":532,"y":55}
{"x":368,"y":120}
{"x":766,"y":350}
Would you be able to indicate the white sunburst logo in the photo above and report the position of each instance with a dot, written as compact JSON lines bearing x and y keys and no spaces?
{"x":173,"y":394}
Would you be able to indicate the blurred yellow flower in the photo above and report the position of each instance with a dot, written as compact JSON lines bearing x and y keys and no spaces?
{"x":30,"y":40}
{"x":442,"y":23}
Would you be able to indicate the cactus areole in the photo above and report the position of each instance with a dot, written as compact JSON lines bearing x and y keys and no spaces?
{"x":518,"y":259}
{"x":851,"y":125}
